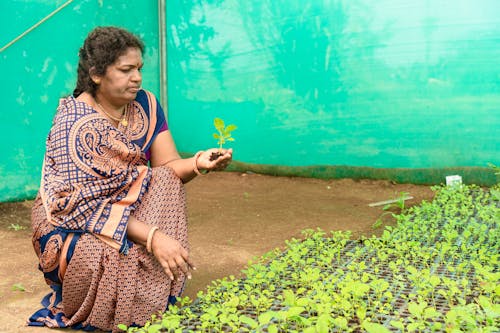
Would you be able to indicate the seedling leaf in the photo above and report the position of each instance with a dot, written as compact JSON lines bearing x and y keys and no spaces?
{"x":18,"y":287}
{"x":223,"y":132}
{"x":375,"y":328}
{"x":249,"y":321}
{"x":219,"y":124}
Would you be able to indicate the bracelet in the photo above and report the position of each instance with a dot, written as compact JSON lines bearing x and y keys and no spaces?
{"x":150,"y":239}
{"x":195,"y":164}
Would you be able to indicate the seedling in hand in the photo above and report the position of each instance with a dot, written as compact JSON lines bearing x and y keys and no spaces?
{"x":222,"y":135}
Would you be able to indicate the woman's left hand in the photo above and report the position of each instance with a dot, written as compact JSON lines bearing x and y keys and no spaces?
{"x":205,"y":160}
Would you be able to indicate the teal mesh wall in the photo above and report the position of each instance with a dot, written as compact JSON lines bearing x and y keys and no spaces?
{"x":41,"y":68}
{"x":358,"y":83}
{"x":383,"y":84}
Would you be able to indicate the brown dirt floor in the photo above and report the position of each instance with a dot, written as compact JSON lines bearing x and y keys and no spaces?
{"x":232,"y":218}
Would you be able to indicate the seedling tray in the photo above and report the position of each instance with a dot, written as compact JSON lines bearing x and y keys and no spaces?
{"x":436,"y":271}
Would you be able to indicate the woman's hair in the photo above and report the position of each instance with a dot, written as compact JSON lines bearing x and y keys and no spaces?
{"x":101,"y":48}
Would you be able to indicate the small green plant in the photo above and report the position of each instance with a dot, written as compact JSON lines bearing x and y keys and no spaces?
{"x":400,"y":202}
{"x":18,"y":287}
{"x":223,"y":133}
{"x":16,"y":227}
{"x":495,"y":191}
{"x":435,"y":271}
{"x":396,"y":204}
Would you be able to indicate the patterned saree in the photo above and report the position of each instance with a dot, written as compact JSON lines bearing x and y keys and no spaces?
{"x":94,"y":177}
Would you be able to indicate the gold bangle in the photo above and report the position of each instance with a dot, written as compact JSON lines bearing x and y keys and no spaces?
{"x":150,"y":239}
{"x":195,"y":163}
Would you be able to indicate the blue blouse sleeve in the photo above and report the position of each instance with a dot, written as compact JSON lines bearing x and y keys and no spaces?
{"x":161,"y":123}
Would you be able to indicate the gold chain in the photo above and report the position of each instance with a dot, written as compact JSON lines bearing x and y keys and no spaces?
{"x":122,"y":120}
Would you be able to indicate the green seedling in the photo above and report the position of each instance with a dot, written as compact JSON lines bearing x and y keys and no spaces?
{"x":18,"y":287}
{"x":398,"y":205}
{"x":440,"y":262}
{"x":223,"y":133}
{"x":16,"y":227}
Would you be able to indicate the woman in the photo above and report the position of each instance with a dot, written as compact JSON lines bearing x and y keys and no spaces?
{"x":109,"y":222}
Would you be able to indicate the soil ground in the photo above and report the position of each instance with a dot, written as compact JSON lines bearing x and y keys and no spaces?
{"x":232,"y":218}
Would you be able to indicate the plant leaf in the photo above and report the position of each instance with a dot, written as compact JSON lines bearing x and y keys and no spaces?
{"x":289,"y":297}
{"x":18,"y":287}
{"x":430,"y":312}
{"x":295,"y":311}
{"x":375,"y":328}
{"x":322,"y":325}
{"x":398,"y":324}
{"x":272,"y":328}
{"x":219,"y":124}
{"x":122,"y":327}
{"x":249,"y":321}
{"x":340,"y":322}
{"x":265,"y":317}
{"x":231,"y":127}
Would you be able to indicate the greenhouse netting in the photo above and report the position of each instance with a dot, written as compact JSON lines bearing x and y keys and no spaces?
{"x":402,"y":90}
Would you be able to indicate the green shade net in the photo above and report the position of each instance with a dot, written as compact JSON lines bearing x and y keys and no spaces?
{"x":40,"y":68}
{"x":381,"y":84}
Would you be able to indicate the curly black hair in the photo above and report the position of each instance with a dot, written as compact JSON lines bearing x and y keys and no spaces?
{"x":101,"y":48}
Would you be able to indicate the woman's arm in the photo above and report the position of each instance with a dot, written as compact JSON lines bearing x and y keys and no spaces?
{"x":168,"y":251}
{"x":164,"y":152}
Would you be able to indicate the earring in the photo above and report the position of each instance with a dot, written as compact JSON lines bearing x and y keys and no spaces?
{"x":97,"y":81}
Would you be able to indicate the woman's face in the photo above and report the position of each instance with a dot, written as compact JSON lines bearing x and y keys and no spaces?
{"x":122,"y":79}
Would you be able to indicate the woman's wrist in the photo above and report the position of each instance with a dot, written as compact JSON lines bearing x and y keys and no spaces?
{"x":195,"y":163}
{"x":149,"y":241}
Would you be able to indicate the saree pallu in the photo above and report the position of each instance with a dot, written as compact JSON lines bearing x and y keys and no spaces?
{"x":93,"y":285}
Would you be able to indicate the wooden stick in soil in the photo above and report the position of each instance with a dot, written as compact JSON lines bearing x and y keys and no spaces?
{"x":380,"y":203}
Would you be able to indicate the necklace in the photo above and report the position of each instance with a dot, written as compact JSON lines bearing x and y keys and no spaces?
{"x":122,"y":120}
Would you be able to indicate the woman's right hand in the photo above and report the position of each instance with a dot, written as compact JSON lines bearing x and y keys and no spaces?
{"x":171,"y":255}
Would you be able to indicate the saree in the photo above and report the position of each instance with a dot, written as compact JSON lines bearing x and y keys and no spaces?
{"x":94,"y":177}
